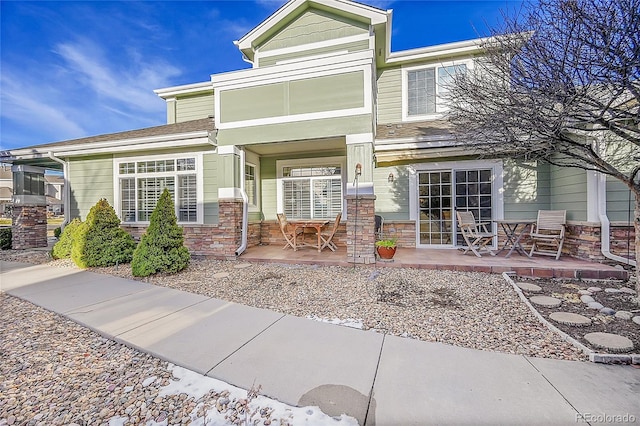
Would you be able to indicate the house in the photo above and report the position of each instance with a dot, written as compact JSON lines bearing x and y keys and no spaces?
{"x":6,"y":189}
{"x":327,"y":119}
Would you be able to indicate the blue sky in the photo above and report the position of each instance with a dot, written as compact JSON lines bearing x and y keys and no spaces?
{"x":79,"y":68}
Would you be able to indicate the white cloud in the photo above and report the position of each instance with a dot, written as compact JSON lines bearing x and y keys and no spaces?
{"x":129,"y":83}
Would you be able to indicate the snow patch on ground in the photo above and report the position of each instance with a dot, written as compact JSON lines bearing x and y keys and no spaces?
{"x":197,"y":386}
{"x":349,"y":322}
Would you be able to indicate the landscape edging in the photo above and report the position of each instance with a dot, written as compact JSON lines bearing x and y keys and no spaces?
{"x":593,"y":355}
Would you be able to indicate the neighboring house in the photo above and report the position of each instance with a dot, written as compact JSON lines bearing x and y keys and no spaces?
{"x":325,"y":94}
{"x":54,"y":191}
{"x":6,"y":189}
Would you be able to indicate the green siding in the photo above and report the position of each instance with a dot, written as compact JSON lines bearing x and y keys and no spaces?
{"x":91,"y":178}
{"x":328,"y":93}
{"x":526,"y":189}
{"x":194,"y":107}
{"x":392,"y":198}
{"x":390,"y":95}
{"x":319,"y":94}
{"x":314,"y":26}
{"x":354,"y":46}
{"x":569,"y":192}
{"x":620,"y":201}
{"x":312,"y":129}
{"x":210,"y":177}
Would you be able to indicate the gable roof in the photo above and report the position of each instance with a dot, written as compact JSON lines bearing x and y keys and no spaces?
{"x":293,"y":8}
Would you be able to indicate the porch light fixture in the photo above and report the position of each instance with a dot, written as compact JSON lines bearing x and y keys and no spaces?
{"x":390,"y":178}
{"x":358,"y":169}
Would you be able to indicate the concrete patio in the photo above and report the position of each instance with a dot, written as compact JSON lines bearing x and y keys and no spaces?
{"x":447,"y":259}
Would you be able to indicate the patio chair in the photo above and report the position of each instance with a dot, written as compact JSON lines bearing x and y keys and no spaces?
{"x":547,"y":235}
{"x":377,"y":228}
{"x":475,"y":234}
{"x":327,"y":238}
{"x":286,"y":230}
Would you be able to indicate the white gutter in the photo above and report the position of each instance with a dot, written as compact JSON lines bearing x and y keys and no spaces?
{"x":245,"y":207}
{"x":67,"y":190}
{"x":605,"y":224}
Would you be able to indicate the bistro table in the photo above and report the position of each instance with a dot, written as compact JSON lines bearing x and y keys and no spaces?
{"x":514,"y":232}
{"x":317,"y":224}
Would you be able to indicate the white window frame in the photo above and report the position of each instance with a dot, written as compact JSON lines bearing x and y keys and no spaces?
{"x":497,"y":200}
{"x":199,"y":183}
{"x":440,"y":106}
{"x":253,"y":206}
{"x":309,"y":162}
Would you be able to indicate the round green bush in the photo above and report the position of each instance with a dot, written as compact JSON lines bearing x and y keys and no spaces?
{"x":161,"y":249}
{"x":99,"y":241}
{"x":62,"y":249}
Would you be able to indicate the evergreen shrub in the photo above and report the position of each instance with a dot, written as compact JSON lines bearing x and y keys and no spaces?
{"x":5,"y":238}
{"x":161,"y":249}
{"x":99,"y":240}
{"x":62,"y":249}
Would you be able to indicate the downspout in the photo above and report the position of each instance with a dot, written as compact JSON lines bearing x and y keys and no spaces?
{"x":245,"y":207}
{"x":67,"y":190}
{"x":605,"y":224}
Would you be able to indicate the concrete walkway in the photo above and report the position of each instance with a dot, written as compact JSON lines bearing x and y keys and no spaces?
{"x":377,"y":379}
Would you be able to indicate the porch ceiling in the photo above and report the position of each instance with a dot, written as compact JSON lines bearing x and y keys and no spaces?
{"x":299,"y":147}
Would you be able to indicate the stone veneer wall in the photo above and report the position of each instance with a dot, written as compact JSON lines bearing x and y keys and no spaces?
{"x":29,"y":229}
{"x":360,"y":229}
{"x":219,"y":240}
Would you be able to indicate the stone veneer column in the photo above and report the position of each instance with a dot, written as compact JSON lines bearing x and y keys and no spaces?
{"x":230,"y":227}
{"x":360,"y":228}
{"x":29,"y":229}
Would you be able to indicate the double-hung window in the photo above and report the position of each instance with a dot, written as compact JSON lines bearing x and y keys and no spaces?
{"x":311,"y":191}
{"x":423,"y":89}
{"x":141,"y":182}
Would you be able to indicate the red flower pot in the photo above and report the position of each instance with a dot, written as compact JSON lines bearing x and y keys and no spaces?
{"x":386,"y":252}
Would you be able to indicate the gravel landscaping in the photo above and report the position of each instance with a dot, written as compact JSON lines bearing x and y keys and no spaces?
{"x":472,"y":310}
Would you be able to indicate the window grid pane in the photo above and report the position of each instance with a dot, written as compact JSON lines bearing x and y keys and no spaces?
{"x":149,"y":191}
{"x":128,"y":199}
{"x":185,"y":164}
{"x":421,"y":92}
{"x":250,"y":184}
{"x":187,"y":199}
{"x":297,"y":198}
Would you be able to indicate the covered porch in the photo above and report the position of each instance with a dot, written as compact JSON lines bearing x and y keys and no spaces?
{"x":445,"y":259}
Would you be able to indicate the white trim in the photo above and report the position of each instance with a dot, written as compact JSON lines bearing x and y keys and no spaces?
{"x":340,"y":63}
{"x":359,"y":138}
{"x":253,"y":207}
{"x":199,"y":182}
{"x":467,"y":47}
{"x":593,"y":187}
{"x":310,"y":46}
{"x":184,"y":89}
{"x":311,"y":57}
{"x":497,"y":170}
{"x":228,"y":149}
{"x":230,"y":193}
{"x":440,"y":108}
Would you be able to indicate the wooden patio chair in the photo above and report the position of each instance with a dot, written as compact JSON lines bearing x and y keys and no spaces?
{"x":327,"y":238}
{"x":287,"y":233}
{"x":475,"y":234}
{"x":547,"y":235}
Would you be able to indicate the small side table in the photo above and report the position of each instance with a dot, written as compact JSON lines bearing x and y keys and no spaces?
{"x":514,"y":230}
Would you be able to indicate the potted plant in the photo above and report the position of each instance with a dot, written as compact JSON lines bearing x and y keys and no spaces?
{"x":386,"y":248}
